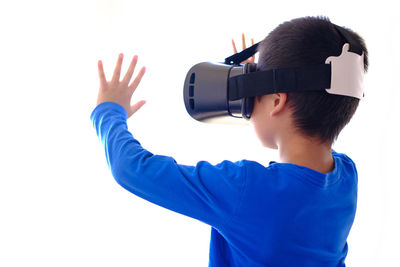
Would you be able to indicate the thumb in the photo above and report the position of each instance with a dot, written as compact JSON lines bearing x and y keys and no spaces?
{"x":136,"y":107}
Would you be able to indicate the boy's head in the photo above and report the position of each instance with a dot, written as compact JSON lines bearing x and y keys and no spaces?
{"x":316,"y":115}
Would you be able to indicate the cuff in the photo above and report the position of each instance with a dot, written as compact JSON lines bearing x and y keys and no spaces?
{"x":106,"y":106}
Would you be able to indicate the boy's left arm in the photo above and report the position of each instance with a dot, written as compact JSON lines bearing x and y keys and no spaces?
{"x":205,"y":192}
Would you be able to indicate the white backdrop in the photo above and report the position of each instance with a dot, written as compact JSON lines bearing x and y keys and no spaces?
{"x":59,"y":204}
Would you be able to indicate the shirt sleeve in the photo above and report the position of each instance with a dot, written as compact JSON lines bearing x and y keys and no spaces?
{"x":206,"y":192}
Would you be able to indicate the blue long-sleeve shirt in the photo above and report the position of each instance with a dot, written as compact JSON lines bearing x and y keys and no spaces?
{"x":280,"y":215}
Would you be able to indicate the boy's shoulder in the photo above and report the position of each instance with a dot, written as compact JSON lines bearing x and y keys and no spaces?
{"x":273,"y":164}
{"x":344,"y":167}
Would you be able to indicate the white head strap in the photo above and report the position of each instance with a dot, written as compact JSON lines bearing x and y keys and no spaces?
{"x":347,"y":76}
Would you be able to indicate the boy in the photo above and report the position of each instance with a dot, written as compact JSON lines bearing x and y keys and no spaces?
{"x":297,"y":212}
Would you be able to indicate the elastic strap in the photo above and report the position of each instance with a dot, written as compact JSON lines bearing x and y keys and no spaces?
{"x":309,"y":78}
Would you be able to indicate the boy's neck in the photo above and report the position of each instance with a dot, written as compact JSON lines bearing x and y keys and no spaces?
{"x":308,"y":153}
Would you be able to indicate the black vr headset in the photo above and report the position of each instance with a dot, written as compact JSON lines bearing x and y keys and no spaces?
{"x":219,"y":92}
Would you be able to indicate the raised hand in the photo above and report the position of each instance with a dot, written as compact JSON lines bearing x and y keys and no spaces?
{"x":250,"y":59}
{"x":119,"y":91}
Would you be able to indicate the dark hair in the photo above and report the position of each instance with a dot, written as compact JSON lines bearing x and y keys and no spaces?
{"x":309,"y":41}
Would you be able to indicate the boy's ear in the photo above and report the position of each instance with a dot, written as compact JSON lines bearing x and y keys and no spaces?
{"x":278,"y":103}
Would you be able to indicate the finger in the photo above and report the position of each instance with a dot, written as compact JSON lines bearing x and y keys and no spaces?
{"x":102,"y":76}
{"x":136,"y":107}
{"x":131,"y":69}
{"x":234,"y":47}
{"x":253,"y":58}
{"x":137,"y":80}
{"x":117,"y":70}
{"x":243,"y":42}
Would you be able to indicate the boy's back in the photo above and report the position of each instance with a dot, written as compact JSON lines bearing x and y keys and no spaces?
{"x":290,"y":215}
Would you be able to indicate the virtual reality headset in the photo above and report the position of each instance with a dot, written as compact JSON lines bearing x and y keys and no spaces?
{"x":223,"y":92}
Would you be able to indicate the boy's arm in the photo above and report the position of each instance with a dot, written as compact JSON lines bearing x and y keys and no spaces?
{"x":205,"y":192}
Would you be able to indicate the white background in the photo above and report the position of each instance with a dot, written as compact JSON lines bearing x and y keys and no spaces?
{"x":59,"y":204}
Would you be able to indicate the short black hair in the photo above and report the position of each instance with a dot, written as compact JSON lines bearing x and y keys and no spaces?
{"x":309,"y":41}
